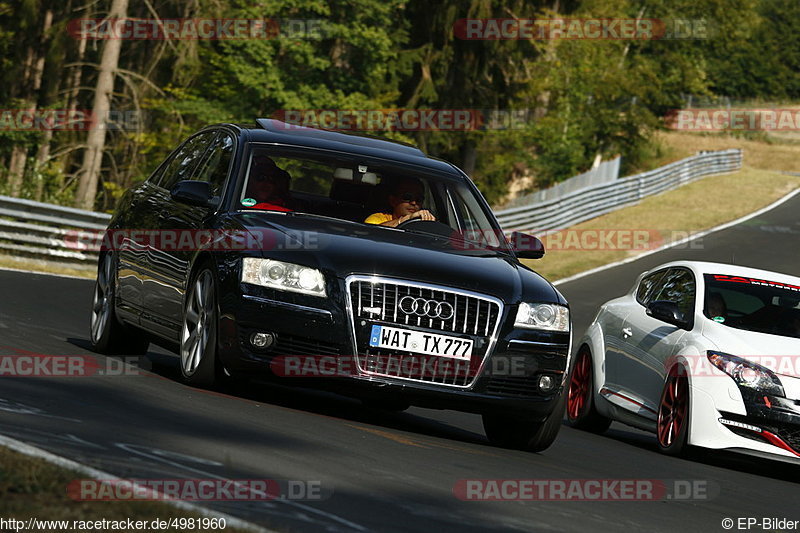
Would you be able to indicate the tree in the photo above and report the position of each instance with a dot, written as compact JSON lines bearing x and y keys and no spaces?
{"x":89,"y":174}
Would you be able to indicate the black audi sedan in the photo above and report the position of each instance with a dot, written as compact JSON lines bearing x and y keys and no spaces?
{"x":335,"y":260}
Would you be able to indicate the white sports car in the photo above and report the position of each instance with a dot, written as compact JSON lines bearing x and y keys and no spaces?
{"x":702,"y":354}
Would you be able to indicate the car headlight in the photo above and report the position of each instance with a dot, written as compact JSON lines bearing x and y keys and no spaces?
{"x":283,"y":276}
{"x":747,"y":374}
{"x":551,"y":317}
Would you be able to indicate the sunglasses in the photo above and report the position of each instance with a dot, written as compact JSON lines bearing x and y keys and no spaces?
{"x":411,"y":197}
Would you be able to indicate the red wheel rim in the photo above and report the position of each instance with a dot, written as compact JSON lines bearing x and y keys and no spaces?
{"x":673,"y":409}
{"x":579,"y":386}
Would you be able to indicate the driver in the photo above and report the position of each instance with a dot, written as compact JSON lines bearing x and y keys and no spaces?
{"x":268,"y":185}
{"x":717,"y":310}
{"x":405,"y":203}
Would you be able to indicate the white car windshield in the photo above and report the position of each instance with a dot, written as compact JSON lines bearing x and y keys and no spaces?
{"x":753,"y":304}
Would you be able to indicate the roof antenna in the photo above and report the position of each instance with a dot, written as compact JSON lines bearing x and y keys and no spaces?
{"x":733,"y":258}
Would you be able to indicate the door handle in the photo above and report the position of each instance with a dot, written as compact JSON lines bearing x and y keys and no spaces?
{"x":627,"y":332}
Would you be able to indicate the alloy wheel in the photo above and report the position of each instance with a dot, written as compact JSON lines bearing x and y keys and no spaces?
{"x":197,"y":323}
{"x":579,"y":386}
{"x":673,"y":409}
{"x":101,"y":307}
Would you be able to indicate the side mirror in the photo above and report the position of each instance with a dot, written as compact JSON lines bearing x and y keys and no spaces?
{"x":668,"y":312}
{"x":526,"y":246}
{"x":194,"y":193}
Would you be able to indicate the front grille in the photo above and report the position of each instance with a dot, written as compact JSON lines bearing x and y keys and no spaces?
{"x":471,"y":315}
{"x":788,"y":433}
{"x":427,"y":368}
{"x":290,"y":345}
{"x":450,"y":312}
{"x":521,"y":386}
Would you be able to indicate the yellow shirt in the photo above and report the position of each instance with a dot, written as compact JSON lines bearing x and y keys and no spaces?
{"x":379,"y":218}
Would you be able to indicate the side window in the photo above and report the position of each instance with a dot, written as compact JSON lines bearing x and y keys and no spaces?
{"x":182,"y":165}
{"x":647,"y":285}
{"x":678,"y":286}
{"x":471,"y":213}
{"x":214,"y":167}
{"x":452,"y":215}
{"x":155,"y":177}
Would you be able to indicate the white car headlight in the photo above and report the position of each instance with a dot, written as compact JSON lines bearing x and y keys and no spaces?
{"x":746,"y":373}
{"x":551,"y":317}
{"x":283,"y":276}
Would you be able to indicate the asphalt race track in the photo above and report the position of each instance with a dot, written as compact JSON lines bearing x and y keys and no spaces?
{"x":386,"y":471}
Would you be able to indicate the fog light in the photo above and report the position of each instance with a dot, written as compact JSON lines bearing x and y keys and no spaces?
{"x":262,"y":340}
{"x":546,"y":383}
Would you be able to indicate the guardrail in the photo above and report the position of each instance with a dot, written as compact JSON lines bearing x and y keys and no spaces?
{"x":606,"y":172}
{"x":44,"y":231}
{"x":590,"y":202}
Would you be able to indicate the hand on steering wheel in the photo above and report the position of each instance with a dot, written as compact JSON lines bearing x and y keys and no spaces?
{"x":422,"y":214}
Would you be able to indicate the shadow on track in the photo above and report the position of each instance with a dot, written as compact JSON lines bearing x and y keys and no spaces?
{"x":317,"y":401}
{"x":756,"y":466}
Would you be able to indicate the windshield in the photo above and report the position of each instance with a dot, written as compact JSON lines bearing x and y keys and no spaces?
{"x":373,"y":192}
{"x":753,"y":304}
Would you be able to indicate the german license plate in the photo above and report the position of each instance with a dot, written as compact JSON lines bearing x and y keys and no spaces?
{"x":420,"y":342}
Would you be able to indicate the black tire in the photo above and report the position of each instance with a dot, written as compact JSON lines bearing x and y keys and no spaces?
{"x":672,"y":427}
{"x":520,"y":434}
{"x":198,"y":342}
{"x":107,"y":334}
{"x":581,"y":411}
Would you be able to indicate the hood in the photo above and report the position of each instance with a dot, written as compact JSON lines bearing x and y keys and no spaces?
{"x":760,"y":348}
{"x":342,"y":248}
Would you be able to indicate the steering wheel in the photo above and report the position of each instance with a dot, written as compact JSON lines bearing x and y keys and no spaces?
{"x":427,"y":226}
{"x":410,"y":221}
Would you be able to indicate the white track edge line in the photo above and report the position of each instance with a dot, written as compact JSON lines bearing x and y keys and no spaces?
{"x":690,"y":238}
{"x":33,"y":451}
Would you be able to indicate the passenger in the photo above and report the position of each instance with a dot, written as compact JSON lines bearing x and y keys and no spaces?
{"x":268,"y":185}
{"x":716,"y":308}
{"x":405,"y":203}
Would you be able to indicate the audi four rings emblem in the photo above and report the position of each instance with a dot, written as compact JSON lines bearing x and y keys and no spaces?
{"x":427,"y":308}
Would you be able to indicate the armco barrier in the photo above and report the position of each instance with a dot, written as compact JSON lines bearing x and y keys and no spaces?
{"x":39,"y":230}
{"x":569,"y":209}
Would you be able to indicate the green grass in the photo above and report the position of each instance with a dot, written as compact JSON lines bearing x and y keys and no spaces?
{"x":21,"y":263}
{"x":31,"y":487}
{"x":666,"y":217}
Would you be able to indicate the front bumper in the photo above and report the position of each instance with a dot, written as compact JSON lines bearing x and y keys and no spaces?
{"x":770,"y":419}
{"x":506,"y":380}
{"x":740,"y":420}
